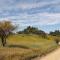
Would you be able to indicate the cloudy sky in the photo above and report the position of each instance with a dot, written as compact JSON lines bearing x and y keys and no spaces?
{"x":44,"y":14}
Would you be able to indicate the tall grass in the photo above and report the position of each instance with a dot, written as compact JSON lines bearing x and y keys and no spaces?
{"x":26,"y":47}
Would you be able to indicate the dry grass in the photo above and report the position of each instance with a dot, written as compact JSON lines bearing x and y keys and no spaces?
{"x":26,"y":47}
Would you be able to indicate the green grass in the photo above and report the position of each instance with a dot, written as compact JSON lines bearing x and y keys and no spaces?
{"x":31,"y":41}
{"x":23,"y":46}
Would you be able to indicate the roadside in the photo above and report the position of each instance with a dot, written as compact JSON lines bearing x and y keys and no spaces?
{"x":55,"y":55}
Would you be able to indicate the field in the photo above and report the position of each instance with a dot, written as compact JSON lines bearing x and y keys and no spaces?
{"x":26,"y":47}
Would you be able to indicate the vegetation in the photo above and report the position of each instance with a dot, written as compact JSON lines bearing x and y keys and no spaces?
{"x":33,"y":30}
{"x":26,"y":44}
{"x":55,"y":33}
{"x":5,"y":28}
{"x":26,"y":47}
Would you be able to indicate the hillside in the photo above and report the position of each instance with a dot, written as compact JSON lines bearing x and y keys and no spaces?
{"x":26,"y":46}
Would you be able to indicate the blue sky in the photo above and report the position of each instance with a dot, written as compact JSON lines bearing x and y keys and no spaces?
{"x":44,"y":14}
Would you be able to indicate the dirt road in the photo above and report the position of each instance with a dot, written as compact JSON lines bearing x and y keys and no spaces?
{"x":52,"y":56}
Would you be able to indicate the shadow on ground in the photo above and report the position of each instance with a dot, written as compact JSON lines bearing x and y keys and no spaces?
{"x":18,"y":46}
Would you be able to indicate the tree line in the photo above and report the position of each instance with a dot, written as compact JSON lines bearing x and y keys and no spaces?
{"x":6,"y":28}
{"x":33,"y":30}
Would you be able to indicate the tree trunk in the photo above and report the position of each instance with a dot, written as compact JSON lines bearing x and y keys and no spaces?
{"x":3,"y":41}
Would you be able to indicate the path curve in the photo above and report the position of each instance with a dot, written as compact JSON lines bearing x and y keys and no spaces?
{"x":55,"y":55}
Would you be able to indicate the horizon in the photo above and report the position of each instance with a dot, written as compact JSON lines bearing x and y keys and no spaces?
{"x":43,"y":14}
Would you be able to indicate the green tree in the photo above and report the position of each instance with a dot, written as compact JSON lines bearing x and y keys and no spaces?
{"x":30,"y":29}
{"x":33,"y":30}
{"x":5,"y":28}
{"x":55,"y":33}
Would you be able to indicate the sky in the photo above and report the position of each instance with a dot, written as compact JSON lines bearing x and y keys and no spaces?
{"x":43,"y":14}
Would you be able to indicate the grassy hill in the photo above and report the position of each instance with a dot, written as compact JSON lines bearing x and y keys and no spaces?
{"x":26,"y":46}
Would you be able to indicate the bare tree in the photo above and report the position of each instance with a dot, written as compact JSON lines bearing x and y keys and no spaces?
{"x":5,"y":28}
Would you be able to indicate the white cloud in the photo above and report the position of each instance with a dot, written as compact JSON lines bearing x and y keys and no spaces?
{"x":10,"y":10}
{"x":35,"y":19}
{"x":25,"y":5}
{"x":29,"y":5}
{"x":10,"y":4}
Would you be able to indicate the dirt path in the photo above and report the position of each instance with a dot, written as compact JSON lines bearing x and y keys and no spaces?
{"x":52,"y":56}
